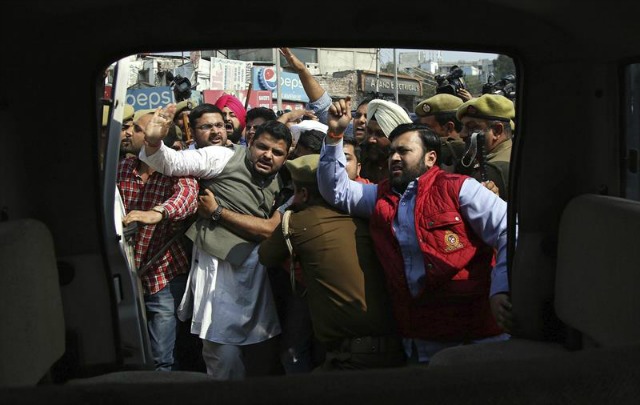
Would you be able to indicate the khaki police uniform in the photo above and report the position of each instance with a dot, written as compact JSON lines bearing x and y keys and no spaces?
{"x":492,"y":107}
{"x":349,"y":305}
{"x":451,"y":149}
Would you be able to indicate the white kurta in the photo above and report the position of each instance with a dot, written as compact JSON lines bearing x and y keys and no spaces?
{"x":227,"y":304}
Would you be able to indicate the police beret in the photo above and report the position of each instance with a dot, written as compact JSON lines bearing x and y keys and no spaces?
{"x":440,"y":103}
{"x":488,"y":107}
{"x":128,"y":112}
{"x":304,"y":168}
{"x":140,"y":113}
{"x":188,"y":104}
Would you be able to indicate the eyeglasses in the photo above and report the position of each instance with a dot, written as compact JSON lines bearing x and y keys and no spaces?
{"x":209,"y":127}
{"x":358,"y":115}
{"x":250,"y":127}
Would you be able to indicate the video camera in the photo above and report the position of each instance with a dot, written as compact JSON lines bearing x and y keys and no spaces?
{"x":181,"y":87}
{"x":505,"y":87}
{"x":452,"y":82}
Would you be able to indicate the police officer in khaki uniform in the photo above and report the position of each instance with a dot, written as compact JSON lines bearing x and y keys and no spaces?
{"x":127,"y":123}
{"x":348,"y":301}
{"x":439,"y":114}
{"x":181,"y":121}
{"x":488,"y":129}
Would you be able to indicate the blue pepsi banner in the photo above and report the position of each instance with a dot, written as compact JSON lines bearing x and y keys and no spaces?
{"x":152,"y":97}
{"x":264,"y":78}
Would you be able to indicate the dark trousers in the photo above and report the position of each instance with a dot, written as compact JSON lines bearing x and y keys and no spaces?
{"x":365,"y":352}
{"x":300,"y":352}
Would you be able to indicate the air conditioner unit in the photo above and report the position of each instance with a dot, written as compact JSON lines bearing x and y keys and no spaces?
{"x":313,"y":68}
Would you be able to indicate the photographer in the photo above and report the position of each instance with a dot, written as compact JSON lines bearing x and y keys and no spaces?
{"x":453,"y":84}
{"x":505,"y":87}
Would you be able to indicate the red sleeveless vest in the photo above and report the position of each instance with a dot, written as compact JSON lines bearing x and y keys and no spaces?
{"x":454,"y":303}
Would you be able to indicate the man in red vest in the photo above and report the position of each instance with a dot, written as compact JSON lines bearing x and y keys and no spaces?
{"x":441,"y":237}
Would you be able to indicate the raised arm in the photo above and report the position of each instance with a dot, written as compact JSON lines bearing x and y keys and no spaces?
{"x":319,"y":99}
{"x":309,"y":83}
{"x":333,"y":182}
{"x":203,"y":163}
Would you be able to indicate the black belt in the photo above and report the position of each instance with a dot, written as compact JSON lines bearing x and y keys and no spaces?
{"x":367,"y":344}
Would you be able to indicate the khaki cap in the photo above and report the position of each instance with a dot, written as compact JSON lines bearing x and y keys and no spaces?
{"x":140,"y":113}
{"x":188,"y":104}
{"x":488,"y":107}
{"x":304,"y":168}
{"x":128,"y":112}
{"x":440,"y":103}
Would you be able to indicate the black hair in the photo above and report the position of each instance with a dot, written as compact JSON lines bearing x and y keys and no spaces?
{"x":200,"y":110}
{"x":443,"y":117}
{"x":261,"y":112}
{"x":430,"y":140}
{"x":276,"y":129}
{"x":356,"y":147}
{"x":366,"y":100}
{"x":312,"y":140}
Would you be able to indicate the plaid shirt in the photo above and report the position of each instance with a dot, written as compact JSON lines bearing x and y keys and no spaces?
{"x":179,"y":197}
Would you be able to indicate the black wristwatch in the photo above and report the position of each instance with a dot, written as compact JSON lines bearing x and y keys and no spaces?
{"x":217,"y":214}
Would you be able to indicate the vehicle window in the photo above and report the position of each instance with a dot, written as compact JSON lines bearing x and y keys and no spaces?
{"x":428,"y":87}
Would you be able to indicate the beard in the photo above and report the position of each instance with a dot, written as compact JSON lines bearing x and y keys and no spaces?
{"x":409,"y":174}
{"x":235,"y":135}
{"x":128,"y":147}
{"x":374,"y":153}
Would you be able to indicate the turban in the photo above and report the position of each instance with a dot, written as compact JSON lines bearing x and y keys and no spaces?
{"x":388,"y":115}
{"x":227,"y":100}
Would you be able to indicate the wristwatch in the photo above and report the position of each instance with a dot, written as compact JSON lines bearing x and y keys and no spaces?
{"x":217,"y":214}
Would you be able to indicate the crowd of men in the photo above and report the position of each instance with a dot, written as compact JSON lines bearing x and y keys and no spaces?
{"x":338,"y":237}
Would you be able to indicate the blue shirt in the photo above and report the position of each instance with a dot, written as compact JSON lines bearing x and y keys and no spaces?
{"x":321,"y":108}
{"x":484,"y":211}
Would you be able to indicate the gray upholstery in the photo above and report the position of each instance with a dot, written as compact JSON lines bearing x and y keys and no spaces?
{"x":598,"y":262}
{"x":32,"y":335}
{"x":598,"y":271}
{"x":514,"y":349}
{"x":144,"y":377}
{"x":32,"y":331}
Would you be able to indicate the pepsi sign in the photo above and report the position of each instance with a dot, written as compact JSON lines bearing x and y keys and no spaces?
{"x":264,"y":78}
{"x":149,"y":98}
{"x":267,"y":78}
